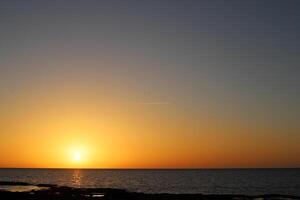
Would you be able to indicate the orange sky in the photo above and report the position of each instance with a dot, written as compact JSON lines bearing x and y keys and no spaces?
{"x":46,"y":131}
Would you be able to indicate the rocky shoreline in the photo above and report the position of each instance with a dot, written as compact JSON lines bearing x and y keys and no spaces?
{"x":25,"y":191}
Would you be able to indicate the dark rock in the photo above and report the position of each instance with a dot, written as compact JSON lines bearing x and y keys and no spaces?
{"x":68,"y":193}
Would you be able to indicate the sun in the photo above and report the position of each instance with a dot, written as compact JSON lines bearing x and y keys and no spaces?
{"x":77,"y":156}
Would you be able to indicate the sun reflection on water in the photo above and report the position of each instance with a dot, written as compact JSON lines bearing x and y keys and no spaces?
{"x":76,"y":178}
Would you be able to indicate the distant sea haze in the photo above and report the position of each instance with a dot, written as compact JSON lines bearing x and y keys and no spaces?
{"x":206,"y":181}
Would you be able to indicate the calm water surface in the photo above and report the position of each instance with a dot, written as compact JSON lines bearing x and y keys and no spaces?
{"x":216,"y":181}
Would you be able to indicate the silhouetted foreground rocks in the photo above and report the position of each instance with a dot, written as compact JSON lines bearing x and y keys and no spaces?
{"x":53,"y":192}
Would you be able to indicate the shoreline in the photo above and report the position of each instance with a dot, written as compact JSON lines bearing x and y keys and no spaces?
{"x":49,"y":191}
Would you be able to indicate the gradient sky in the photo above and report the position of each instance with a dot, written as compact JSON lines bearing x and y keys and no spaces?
{"x":150,"y":84}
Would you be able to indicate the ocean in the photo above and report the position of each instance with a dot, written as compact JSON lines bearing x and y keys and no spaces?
{"x":205,"y":181}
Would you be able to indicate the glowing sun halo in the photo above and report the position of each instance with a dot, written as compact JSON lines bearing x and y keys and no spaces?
{"x":77,"y":156}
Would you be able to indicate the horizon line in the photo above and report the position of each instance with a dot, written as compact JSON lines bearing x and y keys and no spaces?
{"x":185,"y":168}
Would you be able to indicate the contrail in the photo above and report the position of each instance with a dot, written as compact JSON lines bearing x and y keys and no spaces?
{"x":155,"y":103}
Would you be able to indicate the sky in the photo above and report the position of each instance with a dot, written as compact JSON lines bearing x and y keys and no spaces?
{"x":149,"y":84}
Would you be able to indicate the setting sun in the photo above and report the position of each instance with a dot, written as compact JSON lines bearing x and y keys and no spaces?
{"x":77,"y":156}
